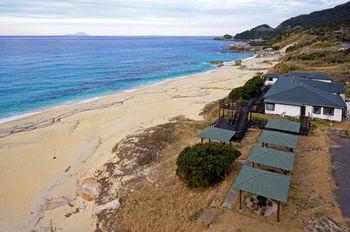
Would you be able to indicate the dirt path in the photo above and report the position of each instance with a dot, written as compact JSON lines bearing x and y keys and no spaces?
{"x":341,"y":172}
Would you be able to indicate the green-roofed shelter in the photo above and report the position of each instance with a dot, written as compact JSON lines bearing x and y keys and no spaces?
{"x":217,"y":134}
{"x":283,"y":125}
{"x":264,"y":183}
{"x":272,"y":157}
{"x":278,"y":139}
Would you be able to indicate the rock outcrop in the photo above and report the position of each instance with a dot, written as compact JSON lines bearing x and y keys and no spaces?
{"x":226,"y":37}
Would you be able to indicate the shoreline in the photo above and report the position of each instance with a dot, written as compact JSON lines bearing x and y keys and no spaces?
{"x":48,"y":153}
{"x":44,"y":109}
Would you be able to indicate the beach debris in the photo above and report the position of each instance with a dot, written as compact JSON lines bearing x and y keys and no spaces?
{"x":54,"y":203}
{"x":89,"y":189}
{"x":77,"y":210}
{"x":324,"y":224}
{"x":112,"y":205}
{"x":67,"y":169}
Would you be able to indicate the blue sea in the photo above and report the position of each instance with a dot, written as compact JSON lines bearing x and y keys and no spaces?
{"x":37,"y":73}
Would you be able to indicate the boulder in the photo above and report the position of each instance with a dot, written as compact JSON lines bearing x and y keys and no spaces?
{"x":89,"y":189}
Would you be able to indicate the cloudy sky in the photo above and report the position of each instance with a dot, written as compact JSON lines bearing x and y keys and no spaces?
{"x":148,"y":17}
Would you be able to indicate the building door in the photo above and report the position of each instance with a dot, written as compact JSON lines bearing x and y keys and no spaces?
{"x":302,"y":111}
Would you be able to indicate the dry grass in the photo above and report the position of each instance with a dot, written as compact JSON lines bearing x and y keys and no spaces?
{"x":163,"y":203}
{"x":313,"y":53}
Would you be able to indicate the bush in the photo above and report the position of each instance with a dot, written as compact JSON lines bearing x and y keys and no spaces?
{"x":204,"y":164}
{"x":251,"y":89}
{"x":347,"y":90}
{"x":259,"y":118}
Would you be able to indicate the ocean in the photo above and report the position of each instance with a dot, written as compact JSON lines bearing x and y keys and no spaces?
{"x":40,"y":72}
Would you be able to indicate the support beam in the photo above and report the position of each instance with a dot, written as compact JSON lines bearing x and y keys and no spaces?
{"x":278,"y":210}
{"x":240,"y":199}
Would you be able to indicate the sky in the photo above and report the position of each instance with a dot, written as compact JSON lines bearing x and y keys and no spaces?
{"x":148,"y":17}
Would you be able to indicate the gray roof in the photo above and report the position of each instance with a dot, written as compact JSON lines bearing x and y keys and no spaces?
{"x":283,"y":125}
{"x":217,"y":134}
{"x":310,"y":75}
{"x":264,"y":183}
{"x":326,"y":86}
{"x":272,"y":157}
{"x":294,"y":91}
{"x":304,"y":75}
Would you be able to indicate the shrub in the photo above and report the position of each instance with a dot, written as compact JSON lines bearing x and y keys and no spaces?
{"x":204,"y":164}
{"x":259,"y":118}
{"x":251,"y":89}
{"x":347,"y":90}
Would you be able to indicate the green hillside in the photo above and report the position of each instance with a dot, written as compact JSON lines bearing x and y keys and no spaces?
{"x":337,"y":15}
{"x":329,"y":20}
{"x":262,"y":31}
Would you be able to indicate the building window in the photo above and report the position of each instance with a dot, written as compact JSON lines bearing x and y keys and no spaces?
{"x":328,"y":111}
{"x":269,"y":79}
{"x":316,"y":110}
{"x":270,"y":106}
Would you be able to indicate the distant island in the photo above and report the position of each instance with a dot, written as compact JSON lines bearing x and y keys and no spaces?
{"x":225,"y":37}
{"x":77,"y":34}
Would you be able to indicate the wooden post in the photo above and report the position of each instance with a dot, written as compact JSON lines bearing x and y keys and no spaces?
{"x":240,"y":199}
{"x":230,"y":143}
{"x":278,"y":211}
{"x":201,"y":140}
{"x":253,"y":164}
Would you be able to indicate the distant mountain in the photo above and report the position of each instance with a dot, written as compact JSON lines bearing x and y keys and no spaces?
{"x":259,"y":32}
{"x":338,"y":14}
{"x":78,"y":34}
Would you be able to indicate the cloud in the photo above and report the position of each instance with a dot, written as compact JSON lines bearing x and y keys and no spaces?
{"x":164,"y":17}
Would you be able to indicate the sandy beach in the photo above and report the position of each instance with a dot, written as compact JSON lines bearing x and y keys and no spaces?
{"x":46,"y":155}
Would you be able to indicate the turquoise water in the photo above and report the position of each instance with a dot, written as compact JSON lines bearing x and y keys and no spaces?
{"x":42,"y":72}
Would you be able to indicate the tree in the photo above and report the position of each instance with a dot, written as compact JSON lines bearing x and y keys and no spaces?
{"x":251,"y":89}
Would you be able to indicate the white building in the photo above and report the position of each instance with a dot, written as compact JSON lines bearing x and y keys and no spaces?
{"x":298,"y":96}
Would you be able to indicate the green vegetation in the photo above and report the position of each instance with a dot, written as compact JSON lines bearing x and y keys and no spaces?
{"x":347,"y":90}
{"x":259,"y":118}
{"x":203,"y":165}
{"x":330,"y":17}
{"x":251,"y":89}
{"x":259,"y":32}
{"x":314,"y":52}
{"x":319,"y":23}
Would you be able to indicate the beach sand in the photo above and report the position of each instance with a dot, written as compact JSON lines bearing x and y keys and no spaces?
{"x":45,"y":155}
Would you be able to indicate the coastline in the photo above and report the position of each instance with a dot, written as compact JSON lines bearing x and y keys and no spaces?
{"x":48,"y":153}
{"x":94,"y":98}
